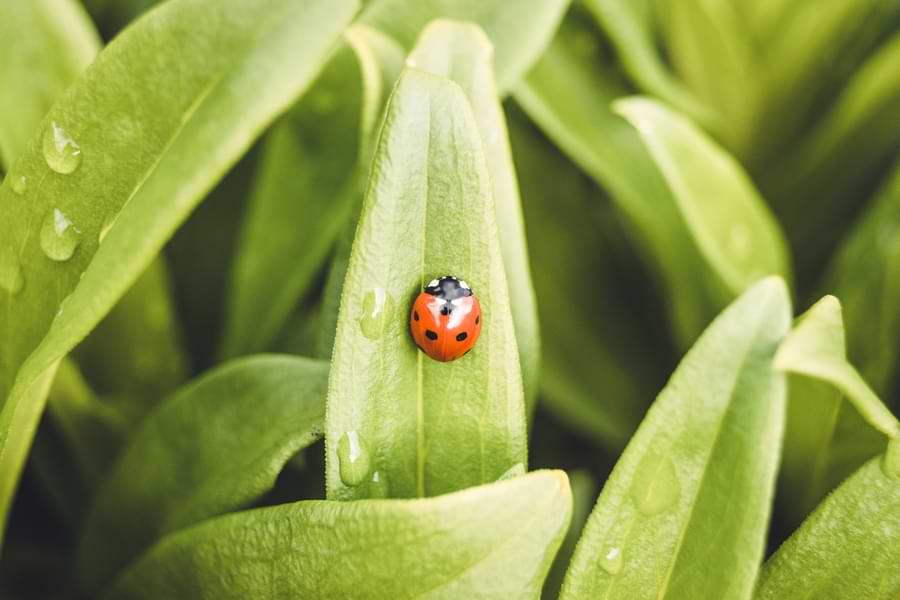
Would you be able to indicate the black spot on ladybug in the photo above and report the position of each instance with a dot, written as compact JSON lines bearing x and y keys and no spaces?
{"x":416,"y":315}
{"x":478,"y":319}
{"x":431,"y":335}
{"x":445,"y":309}
{"x":462,"y":336}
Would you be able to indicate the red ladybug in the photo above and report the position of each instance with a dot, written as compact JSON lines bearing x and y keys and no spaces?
{"x":445,"y":319}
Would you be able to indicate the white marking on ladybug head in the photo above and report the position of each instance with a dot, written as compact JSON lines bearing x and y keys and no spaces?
{"x":464,"y":285}
{"x":432,"y":283}
{"x":457,"y":302}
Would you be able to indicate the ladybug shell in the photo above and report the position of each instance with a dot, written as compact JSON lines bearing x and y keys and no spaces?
{"x":443,"y":329}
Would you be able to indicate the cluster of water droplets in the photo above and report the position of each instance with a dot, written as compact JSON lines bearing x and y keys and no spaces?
{"x":59,"y":238}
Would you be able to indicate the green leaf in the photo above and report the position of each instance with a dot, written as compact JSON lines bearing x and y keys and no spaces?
{"x":381,"y":60}
{"x":731,"y":223}
{"x":45,"y":45}
{"x":423,"y":426}
{"x":816,"y":348}
{"x":214,"y":446}
{"x":463,"y":53}
{"x":303,"y":193}
{"x":518,"y":31}
{"x":627,"y":25}
{"x":865,"y":275}
{"x":685,"y":512}
{"x":494,"y":541}
{"x":849,"y":548}
{"x":143,"y":162}
{"x":610,"y":151}
{"x":825,"y":440}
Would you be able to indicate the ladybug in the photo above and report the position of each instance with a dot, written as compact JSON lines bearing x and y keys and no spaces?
{"x":445,"y":319}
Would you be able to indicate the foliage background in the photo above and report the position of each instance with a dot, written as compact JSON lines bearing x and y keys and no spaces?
{"x":775,"y":153}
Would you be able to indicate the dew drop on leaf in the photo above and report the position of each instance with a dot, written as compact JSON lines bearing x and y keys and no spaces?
{"x":11,"y":279}
{"x":655,"y":486}
{"x":62,"y":153}
{"x":611,"y":560}
{"x":18,"y":184}
{"x":59,"y":237}
{"x":378,"y":486}
{"x":354,"y":459}
{"x":377,"y":308}
{"x":891,"y":461}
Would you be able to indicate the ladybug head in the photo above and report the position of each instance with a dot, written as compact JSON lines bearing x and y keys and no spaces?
{"x":448,"y":288}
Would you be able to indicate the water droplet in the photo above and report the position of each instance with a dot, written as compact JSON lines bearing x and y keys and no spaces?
{"x":611,"y":561}
{"x":377,"y":307}
{"x":891,"y":461}
{"x":18,"y":184}
{"x":62,"y":153}
{"x":59,"y":237}
{"x":354,"y":459}
{"x":11,"y":279}
{"x":655,"y":484}
{"x":378,"y":487}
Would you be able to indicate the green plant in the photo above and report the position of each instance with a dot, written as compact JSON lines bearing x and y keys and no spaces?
{"x":622,"y":183}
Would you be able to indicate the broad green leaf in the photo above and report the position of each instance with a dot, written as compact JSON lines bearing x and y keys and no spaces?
{"x":519,"y":31}
{"x":598,"y":369}
{"x":303,"y":193}
{"x":463,"y":53}
{"x":425,"y":427}
{"x":142,"y":162}
{"x":44,"y":46}
{"x":849,"y":548}
{"x":731,"y":223}
{"x":610,"y":151}
{"x":212,"y":447}
{"x":493,"y":541}
{"x":816,"y":348}
{"x":685,"y":512}
{"x":865,"y":275}
{"x":629,"y":28}
{"x":826,"y":440}
{"x":135,"y":353}
{"x":381,"y":60}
